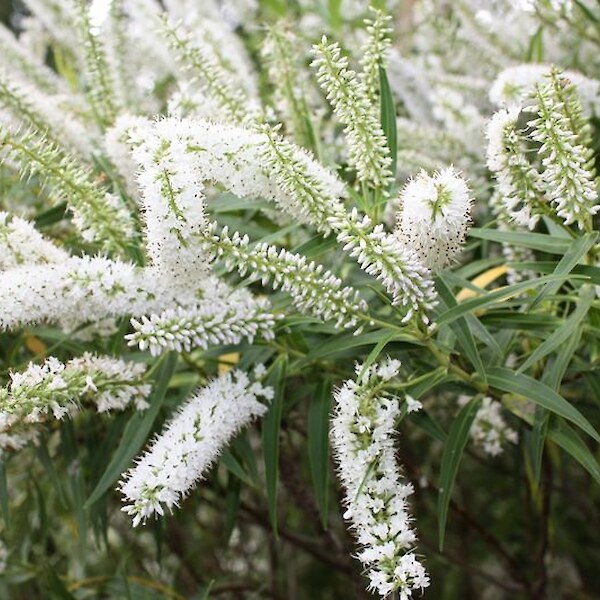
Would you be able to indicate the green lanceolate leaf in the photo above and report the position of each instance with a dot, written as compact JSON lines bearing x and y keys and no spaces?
{"x":451,"y":457}
{"x":536,"y":391}
{"x":576,"y":251}
{"x":563,"y":435}
{"x":587,"y":295}
{"x":318,"y":446}
{"x":388,"y":118}
{"x":271,"y":427}
{"x":461,"y":328}
{"x":536,"y":241}
{"x":492,"y":297}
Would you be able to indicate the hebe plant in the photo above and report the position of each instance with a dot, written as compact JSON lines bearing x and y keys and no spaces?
{"x":298,"y":299}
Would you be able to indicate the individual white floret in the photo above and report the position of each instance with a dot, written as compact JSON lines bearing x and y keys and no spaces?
{"x":180,"y":455}
{"x":434,"y":216}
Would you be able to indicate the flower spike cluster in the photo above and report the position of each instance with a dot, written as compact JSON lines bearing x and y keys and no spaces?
{"x":434,"y":216}
{"x":569,"y":174}
{"x":367,"y":146}
{"x":182,"y":453}
{"x":362,"y":437}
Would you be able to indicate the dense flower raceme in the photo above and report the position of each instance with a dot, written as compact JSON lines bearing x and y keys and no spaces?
{"x":566,"y":153}
{"x":367,"y":146}
{"x":99,"y":215}
{"x":56,"y":390}
{"x":556,"y":122}
{"x":180,"y":455}
{"x":84,"y":290}
{"x":362,"y":437}
{"x":519,"y":184}
{"x":434,"y":216}
{"x":218,"y":321}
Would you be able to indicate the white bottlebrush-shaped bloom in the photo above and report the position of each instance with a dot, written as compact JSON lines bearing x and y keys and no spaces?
{"x":434,"y":216}
{"x":99,"y":215}
{"x":362,"y":437}
{"x":566,"y":155}
{"x":382,"y":255}
{"x":519,"y":185}
{"x":282,"y":53}
{"x":56,"y":389}
{"x":514,"y":85}
{"x":100,"y":87}
{"x":307,"y":191}
{"x":374,"y":51}
{"x":212,"y":322}
{"x":77,"y":290}
{"x":367,"y":146}
{"x":489,"y":429}
{"x":180,"y":455}
{"x":22,"y":244}
{"x":312,"y":193}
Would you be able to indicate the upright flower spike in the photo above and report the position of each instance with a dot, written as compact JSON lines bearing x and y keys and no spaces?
{"x":362,"y":436}
{"x":434,"y":216}
{"x":57,"y":390}
{"x":280,"y":50}
{"x":569,"y":174}
{"x":374,"y":52}
{"x":186,"y":448}
{"x":100,"y":216}
{"x":99,"y":82}
{"x":208,"y":74}
{"x":519,"y":184}
{"x":367,"y":146}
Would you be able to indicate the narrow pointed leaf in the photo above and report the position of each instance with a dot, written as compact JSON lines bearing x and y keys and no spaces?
{"x":451,"y":457}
